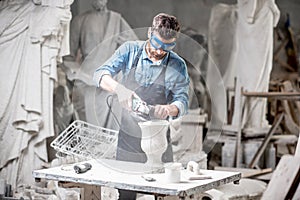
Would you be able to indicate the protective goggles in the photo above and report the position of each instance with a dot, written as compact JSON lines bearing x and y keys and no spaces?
{"x":158,"y":44}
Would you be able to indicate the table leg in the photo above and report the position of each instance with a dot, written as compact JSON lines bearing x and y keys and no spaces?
{"x":91,"y":192}
{"x":88,"y":192}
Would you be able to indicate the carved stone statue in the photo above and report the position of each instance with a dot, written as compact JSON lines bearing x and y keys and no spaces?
{"x":94,"y":37}
{"x":253,"y":59}
{"x":32,"y":41}
{"x":222,"y":28}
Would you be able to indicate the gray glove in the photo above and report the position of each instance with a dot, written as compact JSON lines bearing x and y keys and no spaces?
{"x":124,"y":96}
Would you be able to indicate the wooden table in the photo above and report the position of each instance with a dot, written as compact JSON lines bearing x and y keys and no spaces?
{"x":129,"y":176}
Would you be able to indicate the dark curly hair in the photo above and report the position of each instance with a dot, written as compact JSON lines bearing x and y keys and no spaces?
{"x":166,"y":25}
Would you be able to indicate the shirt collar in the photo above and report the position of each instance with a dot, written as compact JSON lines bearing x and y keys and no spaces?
{"x":145,"y":56}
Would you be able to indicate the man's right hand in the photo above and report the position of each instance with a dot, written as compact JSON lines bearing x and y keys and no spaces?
{"x":124,"y":96}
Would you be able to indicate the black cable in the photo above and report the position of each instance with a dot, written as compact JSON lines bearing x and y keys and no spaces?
{"x":110,"y":110}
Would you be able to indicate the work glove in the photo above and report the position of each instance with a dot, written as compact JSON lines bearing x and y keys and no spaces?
{"x":124,"y":96}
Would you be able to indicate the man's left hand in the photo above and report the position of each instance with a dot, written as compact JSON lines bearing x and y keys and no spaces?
{"x":161,"y":111}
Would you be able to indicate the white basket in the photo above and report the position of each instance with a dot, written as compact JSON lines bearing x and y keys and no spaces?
{"x":86,"y":141}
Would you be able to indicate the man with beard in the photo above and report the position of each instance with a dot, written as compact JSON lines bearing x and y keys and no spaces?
{"x":153,"y":73}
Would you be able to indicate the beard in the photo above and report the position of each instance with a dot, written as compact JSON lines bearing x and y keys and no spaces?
{"x":157,"y":56}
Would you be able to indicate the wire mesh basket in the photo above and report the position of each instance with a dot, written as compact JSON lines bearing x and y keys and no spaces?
{"x":86,"y":141}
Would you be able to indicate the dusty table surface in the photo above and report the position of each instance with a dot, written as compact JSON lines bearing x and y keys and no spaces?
{"x":129,"y":176}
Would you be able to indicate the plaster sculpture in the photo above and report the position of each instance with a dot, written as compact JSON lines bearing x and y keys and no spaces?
{"x":194,"y":167}
{"x":154,"y":141}
{"x":94,"y":37}
{"x":253,"y":60}
{"x":222,"y":27}
{"x":32,"y":41}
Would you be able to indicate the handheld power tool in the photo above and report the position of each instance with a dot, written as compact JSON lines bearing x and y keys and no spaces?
{"x":141,"y":110}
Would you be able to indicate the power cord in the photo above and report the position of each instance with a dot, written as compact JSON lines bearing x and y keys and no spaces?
{"x":108,"y":103}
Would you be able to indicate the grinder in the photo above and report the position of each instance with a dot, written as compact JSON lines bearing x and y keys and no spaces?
{"x":141,"y":110}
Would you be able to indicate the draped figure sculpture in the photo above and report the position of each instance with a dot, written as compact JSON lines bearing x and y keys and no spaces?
{"x":222,"y":26}
{"x":94,"y":37}
{"x":32,"y":41}
{"x":252,"y":60}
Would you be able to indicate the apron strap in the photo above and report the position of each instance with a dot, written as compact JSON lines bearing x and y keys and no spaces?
{"x":137,"y":57}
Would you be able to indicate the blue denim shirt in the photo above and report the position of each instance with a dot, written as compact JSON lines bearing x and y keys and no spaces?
{"x":176,"y":77}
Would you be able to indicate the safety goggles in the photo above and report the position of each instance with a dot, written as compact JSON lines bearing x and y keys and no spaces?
{"x":158,"y":44}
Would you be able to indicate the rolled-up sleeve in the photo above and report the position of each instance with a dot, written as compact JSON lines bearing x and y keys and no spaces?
{"x":98,"y":76}
{"x":178,"y":83}
{"x":113,"y":65}
{"x":181,"y":108}
{"x":180,"y":97}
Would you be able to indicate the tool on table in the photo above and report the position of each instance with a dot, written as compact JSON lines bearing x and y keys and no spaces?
{"x":141,"y":110}
{"x":148,"y":178}
{"x":191,"y":178}
{"x":82,"y":168}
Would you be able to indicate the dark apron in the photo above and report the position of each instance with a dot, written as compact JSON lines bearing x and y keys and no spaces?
{"x":129,"y":140}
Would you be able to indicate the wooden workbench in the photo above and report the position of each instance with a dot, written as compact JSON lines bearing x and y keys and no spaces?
{"x":128,"y":176}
